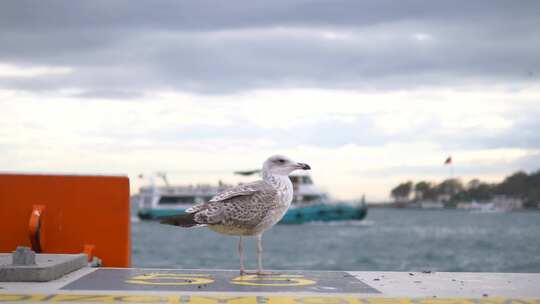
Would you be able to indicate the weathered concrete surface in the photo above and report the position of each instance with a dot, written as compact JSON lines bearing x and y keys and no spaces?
{"x":48,"y":267}
{"x":123,"y":285}
{"x":453,"y":284}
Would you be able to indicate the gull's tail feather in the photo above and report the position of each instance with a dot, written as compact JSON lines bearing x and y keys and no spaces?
{"x":184,"y":220}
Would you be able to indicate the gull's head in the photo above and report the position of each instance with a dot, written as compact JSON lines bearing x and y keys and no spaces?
{"x":282,"y":165}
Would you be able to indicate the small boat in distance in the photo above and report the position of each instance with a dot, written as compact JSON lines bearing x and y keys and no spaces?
{"x":309,"y":202}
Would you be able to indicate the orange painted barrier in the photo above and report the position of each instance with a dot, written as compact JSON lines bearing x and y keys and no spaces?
{"x":67,"y":214}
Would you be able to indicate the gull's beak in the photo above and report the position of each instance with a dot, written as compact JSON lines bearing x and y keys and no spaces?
{"x":303,"y":166}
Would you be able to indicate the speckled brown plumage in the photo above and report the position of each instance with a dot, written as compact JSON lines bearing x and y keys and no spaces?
{"x":247,"y":209}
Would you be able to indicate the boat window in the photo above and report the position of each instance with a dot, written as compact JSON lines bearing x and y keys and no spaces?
{"x":307,"y":180}
{"x":311,"y":198}
{"x":164,"y":200}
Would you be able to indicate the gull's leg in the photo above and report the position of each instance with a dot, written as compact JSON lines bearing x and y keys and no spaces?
{"x":241,"y":253}
{"x":259,"y":258}
{"x":259,"y":254}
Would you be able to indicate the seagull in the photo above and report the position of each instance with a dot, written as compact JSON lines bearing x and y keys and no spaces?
{"x":247,"y":209}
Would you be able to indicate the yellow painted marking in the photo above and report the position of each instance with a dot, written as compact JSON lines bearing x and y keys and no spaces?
{"x":172,"y":279}
{"x":251,"y":299}
{"x":445,"y":301}
{"x":387,"y":301}
{"x":284,"y":280}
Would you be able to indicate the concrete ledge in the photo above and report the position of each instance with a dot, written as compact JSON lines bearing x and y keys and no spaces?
{"x":112,"y":285}
{"x":48,"y":267}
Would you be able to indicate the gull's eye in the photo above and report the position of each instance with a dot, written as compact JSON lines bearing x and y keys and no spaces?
{"x":280,"y":161}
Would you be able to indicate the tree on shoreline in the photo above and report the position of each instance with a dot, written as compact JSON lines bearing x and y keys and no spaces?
{"x":518,"y":185}
{"x":424,"y":190}
{"x":402,"y":191}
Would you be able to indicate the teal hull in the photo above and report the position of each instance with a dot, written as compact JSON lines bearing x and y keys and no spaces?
{"x":298,"y":215}
{"x":324,"y":213}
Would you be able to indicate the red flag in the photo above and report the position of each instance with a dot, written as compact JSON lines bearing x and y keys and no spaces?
{"x":448,"y":161}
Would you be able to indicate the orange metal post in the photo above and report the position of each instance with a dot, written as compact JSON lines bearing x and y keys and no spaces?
{"x":76,"y":214}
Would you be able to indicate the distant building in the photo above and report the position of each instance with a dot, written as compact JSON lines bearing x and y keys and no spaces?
{"x":402,"y":201}
{"x":443,"y":198}
{"x":464,"y":205}
{"x":431,"y":205}
{"x":507,"y":203}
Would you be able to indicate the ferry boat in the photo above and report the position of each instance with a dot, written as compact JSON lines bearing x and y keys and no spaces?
{"x":309,"y":202}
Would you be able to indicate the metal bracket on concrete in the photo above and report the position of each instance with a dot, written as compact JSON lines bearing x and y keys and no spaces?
{"x":23,"y":256}
{"x":24,"y":265}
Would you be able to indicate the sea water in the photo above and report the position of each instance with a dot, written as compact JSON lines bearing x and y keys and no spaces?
{"x":387,"y":240}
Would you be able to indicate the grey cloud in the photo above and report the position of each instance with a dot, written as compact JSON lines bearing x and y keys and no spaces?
{"x":523,"y":134}
{"x":215,"y":14}
{"x":527,"y":163}
{"x":360,"y":130}
{"x":438,"y":169}
{"x":115,"y":94}
{"x":530,"y":162}
{"x":331,"y":133}
{"x":213,"y":47}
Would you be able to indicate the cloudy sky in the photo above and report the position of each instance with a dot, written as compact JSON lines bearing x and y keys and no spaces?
{"x":369,"y":93}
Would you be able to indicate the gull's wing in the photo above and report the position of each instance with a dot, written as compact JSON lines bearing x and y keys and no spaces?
{"x":244,"y":189}
{"x":242,"y":210}
{"x":245,"y":205}
{"x":240,"y":190}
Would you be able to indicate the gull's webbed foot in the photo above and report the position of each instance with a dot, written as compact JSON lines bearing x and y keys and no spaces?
{"x":266,"y":273}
